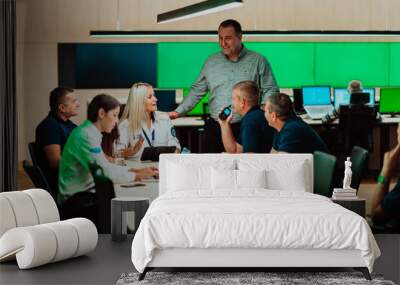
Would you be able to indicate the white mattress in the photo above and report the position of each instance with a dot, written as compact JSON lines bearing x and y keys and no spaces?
{"x":256,"y":218}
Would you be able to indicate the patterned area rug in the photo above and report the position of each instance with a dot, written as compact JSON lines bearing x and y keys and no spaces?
{"x":229,"y":278}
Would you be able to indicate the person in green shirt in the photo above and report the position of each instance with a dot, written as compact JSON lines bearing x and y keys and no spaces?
{"x":76,"y":185}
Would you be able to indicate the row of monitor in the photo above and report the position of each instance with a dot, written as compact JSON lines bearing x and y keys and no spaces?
{"x":321,"y":95}
{"x":312,"y":95}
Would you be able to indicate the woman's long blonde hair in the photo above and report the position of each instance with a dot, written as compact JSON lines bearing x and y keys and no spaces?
{"x":134,"y":110}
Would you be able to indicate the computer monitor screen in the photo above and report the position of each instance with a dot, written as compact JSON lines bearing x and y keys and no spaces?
{"x":390,"y":100}
{"x":165,"y":99}
{"x":342,"y":97}
{"x":316,"y":95}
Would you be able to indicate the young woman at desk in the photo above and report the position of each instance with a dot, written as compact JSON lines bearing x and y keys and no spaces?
{"x":142,"y":125}
{"x":83,"y":147}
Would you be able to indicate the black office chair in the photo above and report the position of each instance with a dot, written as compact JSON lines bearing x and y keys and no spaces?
{"x":355,"y":126}
{"x":359,"y":161}
{"x":359,"y":98}
{"x":324,"y":169}
{"x":33,"y":152}
{"x":37,"y":177}
{"x":104,"y":194}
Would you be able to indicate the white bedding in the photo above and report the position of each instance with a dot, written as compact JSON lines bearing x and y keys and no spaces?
{"x":252,"y":218}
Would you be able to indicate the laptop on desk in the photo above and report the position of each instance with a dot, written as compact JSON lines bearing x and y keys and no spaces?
{"x":317,"y":101}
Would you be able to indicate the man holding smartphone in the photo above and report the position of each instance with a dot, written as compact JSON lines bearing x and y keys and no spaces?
{"x":219,"y":74}
{"x":255,"y":135}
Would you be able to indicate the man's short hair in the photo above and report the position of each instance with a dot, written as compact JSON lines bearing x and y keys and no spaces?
{"x":57,"y":96}
{"x":232,"y":23}
{"x":281,"y":104}
{"x":249,"y":91}
{"x":355,"y":86}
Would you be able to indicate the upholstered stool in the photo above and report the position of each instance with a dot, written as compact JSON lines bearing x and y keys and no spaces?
{"x":31,"y":231}
{"x":118,"y":217}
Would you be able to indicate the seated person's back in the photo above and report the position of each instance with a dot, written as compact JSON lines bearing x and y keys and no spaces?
{"x":296,"y":136}
{"x":293,"y":134}
{"x":53,"y":131}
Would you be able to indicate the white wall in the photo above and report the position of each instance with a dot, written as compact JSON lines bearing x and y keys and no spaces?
{"x":41,"y":24}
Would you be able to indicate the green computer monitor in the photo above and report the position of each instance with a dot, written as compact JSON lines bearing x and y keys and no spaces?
{"x":389,"y":100}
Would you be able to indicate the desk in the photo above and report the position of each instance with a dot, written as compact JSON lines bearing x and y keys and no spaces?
{"x":188,"y":122}
{"x":384,"y":131}
{"x":150,"y":188}
{"x":187,"y":128}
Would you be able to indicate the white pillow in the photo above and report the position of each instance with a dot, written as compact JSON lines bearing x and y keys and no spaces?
{"x":223,"y":179}
{"x":281,"y":173}
{"x":186,"y":176}
{"x":251,"y":179}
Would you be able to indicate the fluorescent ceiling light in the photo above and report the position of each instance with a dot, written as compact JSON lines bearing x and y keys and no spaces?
{"x":199,"y":9}
{"x":214,"y":33}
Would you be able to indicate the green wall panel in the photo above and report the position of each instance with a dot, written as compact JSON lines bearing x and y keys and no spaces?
{"x":338,"y":63}
{"x":292,"y":63}
{"x":179,"y":64}
{"x":394,"y":64}
{"x":295,"y":64}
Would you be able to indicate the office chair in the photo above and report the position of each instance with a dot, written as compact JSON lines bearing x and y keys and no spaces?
{"x":104,"y":194}
{"x":359,"y":98}
{"x":32,"y":152}
{"x":355,"y":126}
{"x":359,"y":161}
{"x":324,"y":168}
{"x":37,"y":177}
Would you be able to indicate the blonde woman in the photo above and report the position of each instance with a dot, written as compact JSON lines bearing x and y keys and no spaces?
{"x":142,"y":125}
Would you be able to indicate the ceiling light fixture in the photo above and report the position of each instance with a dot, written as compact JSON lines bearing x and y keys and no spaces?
{"x":199,"y":9}
{"x":276,"y":33}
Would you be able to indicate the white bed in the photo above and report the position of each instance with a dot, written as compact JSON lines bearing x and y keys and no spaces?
{"x":201,"y":219}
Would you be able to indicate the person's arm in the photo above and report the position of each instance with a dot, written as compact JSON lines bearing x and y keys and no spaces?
{"x":228,"y":140}
{"x":197,"y":92}
{"x":382,"y":188}
{"x":52,"y":153}
{"x":266,"y":80}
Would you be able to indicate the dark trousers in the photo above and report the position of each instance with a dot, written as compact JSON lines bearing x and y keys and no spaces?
{"x":80,"y":205}
{"x":213,"y":138}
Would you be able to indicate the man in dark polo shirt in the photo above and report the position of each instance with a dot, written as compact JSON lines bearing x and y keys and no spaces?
{"x":255,"y":135}
{"x":293,"y":134}
{"x":53,"y":131}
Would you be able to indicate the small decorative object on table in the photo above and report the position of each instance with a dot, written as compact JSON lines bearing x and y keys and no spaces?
{"x":347,"y":196}
{"x":345,"y":193}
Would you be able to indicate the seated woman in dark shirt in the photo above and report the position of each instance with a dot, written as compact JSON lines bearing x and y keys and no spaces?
{"x":386,"y":202}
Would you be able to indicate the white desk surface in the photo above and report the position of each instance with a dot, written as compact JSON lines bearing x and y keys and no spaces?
{"x":150,"y":188}
{"x":188,"y":122}
{"x":386,"y":119}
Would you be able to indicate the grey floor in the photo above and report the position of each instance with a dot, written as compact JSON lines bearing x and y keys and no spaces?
{"x":110,"y":260}
{"x":103,"y":266}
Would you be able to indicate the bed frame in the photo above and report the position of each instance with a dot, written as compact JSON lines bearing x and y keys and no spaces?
{"x":242,"y":259}
{"x":246,"y":258}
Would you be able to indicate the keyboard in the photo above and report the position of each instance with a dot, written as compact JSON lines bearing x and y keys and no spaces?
{"x":318,"y":112}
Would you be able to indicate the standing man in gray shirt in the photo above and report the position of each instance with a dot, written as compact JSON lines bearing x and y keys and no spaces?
{"x":219,"y":74}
